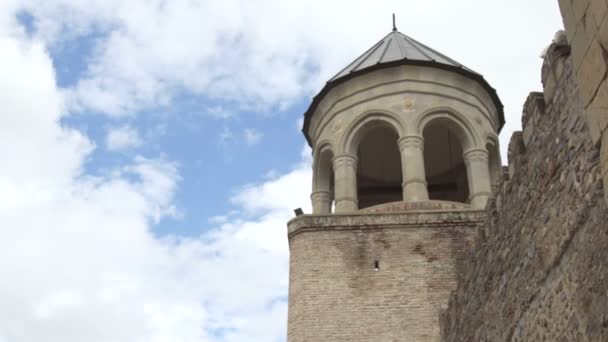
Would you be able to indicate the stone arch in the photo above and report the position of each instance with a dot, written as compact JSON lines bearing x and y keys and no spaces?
{"x":494,"y":161}
{"x":322,"y":162}
{"x":357,"y":129}
{"x":374,"y":140}
{"x":323,"y":180}
{"x":459,"y":123}
{"x":447,"y":137}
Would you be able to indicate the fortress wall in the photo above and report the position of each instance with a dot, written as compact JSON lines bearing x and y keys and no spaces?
{"x":539,"y":267}
{"x":586,"y":24}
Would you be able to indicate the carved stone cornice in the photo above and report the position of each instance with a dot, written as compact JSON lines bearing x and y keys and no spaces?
{"x":371,"y":221}
{"x":345,"y":160}
{"x":476,"y":154}
{"x":411,"y":141}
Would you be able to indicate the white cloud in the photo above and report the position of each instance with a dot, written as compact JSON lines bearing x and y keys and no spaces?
{"x":265,"y":55}
{"x":78,"y":261}
{"x":122,"y":137}
{"x":252,"y":136}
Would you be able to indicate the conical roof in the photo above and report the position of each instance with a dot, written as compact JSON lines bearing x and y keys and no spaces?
{"x":393,"y":50}
{"x":396,"y":46}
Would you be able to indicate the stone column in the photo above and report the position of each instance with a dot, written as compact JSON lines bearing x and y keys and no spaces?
{"x":412,"y":167}
{"x":345,"y":173}
{"x":321,"y":202}
{"x":478,"y":174}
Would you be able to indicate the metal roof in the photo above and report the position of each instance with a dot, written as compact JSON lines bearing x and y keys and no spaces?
{"x":398,"y":49}
{"x":394,"y":47}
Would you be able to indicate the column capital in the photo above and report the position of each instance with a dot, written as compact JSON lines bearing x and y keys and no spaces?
{"x":414,"y":141}
{"x":476,"y":154}
{"x":345,"y":160}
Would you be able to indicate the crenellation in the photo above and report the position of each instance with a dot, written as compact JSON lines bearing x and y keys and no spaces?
{"x":515,"y":153}
{"x":535,"y":272}
{"x":534,"y":107}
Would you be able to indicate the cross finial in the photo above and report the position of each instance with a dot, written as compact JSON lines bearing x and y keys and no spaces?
{"x":394,"y":23}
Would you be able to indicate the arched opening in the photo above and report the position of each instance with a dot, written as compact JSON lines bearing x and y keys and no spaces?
{"x":493,"y":162}
{"x":446,"y":173}
{"x":323,"y":184}
{"x":379,"y":166}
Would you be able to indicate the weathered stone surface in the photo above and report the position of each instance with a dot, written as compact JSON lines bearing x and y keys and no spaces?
{"x":579,"y":7}
{"x":597,"y":113}
{"x":598,"y":9}
{"x":540,"y":270}
{"x":336,"y":294}
{"x":589,"y":32}
{"x":604,"y":162}
{"x":569,"y":19}
{"x":592,"y":72}
{"x":603,"y":33}
{"x":581,"y":40}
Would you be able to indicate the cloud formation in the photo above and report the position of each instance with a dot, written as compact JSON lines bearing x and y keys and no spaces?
{"x":266,"y":55}
{"x":122,"y":137}
{"x":78,"y":260}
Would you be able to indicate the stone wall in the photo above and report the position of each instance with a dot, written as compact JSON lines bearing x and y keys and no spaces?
{"x":335,"y":293}
{"x":586,"y":24}
{"x":539,"y":268}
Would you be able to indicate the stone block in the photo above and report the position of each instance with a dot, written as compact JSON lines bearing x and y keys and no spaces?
{"x":581,"y":41}
{"x":602,"y":33}
{"x":604,"y":163}
{"x":579,"y":7}
{"x":606,"y":187}
{"x":604,"y":154}
{"x":597,"y":9}
{"x":592,"y":72}
{"x":597,"y":113}
{"x":565,"y":7}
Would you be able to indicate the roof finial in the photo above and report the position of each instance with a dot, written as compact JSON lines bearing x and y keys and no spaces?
{"x":394,"y":23}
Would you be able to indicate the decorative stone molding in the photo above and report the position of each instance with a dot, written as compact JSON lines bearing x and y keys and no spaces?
{"x":345,"y":160}
{"x":416,"y":206}
{"x":370,"y":221}
{"x":476,"y":154}
{"x":413,"y":141}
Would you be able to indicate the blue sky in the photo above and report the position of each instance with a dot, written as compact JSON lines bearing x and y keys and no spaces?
{"x":153,"y":155}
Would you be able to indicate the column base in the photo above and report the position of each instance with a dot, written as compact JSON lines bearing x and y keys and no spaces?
{"x":415,"y":191}
{"x":479,"y":201}
{"x":346,"y":206}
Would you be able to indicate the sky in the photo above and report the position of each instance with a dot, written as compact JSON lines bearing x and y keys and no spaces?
{"x":152,"y":154}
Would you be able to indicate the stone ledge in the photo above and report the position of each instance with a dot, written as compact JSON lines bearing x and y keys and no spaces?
{"x":402,"y":220}
{"x":420,"y":205}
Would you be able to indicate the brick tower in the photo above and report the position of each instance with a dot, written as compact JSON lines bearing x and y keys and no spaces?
{"x":405,"y":151}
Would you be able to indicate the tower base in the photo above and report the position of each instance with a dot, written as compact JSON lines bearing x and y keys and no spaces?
{"x":383,"y":274}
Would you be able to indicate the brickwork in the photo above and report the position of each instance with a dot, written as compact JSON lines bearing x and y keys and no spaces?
{"x":539,"y":268}
{"x":586,"y":23}
{"x":335,"y":293}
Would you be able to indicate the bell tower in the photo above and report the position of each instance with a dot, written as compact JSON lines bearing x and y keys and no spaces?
{"x":405,"y":146}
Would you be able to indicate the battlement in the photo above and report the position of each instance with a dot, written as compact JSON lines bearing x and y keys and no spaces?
{"x":538,"y":268}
